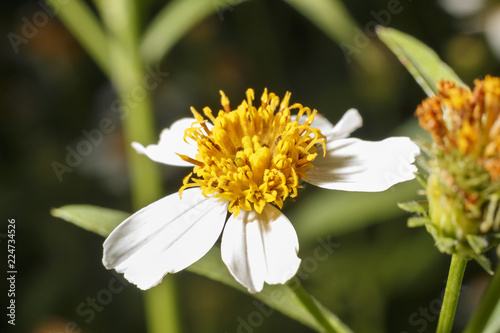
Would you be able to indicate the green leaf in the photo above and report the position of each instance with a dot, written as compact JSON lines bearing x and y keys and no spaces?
{"x":420,"y":60}
{"x":174,"y":20}
{"x":478,"y":243}
{"x":92,"y":218}
{"x":283,"y":298}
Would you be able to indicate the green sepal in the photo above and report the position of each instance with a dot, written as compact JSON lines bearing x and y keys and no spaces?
{"x":413,"y":207}
{"x":484,"y":263}
{"x":478,"y":243}
{"x":414,"y":222}
{"x":421,"y":180}
{"x":419,"y":59}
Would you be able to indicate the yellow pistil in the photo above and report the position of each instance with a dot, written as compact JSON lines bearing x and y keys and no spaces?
{"x":468,"y":121}
{"x":252,"y":156}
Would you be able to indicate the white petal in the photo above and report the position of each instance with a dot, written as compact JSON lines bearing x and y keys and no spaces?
{"x":350,"y":121}
{"x":461,"y":8}
{"x":260,"y":248}
{"x":164,"y":237}
{"x":171,"y":142}
{"x":357,"y":165}
{"x":320,"y":122}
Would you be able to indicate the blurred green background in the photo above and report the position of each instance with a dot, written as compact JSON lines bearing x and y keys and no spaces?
{"x":380,"y":277}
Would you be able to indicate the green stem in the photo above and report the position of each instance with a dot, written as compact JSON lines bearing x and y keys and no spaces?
{"x":451,"y":294}
{"x":330,"y":323}
{"x":490,"y":302}
{"x":129,"y":77}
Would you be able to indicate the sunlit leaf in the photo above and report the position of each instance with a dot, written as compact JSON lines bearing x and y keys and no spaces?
{"x":92,"y":218}
{"x":420,"y":60}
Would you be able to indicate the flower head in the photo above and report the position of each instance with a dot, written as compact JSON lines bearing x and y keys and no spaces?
{"x":462,"y":185}
{"x":246,"y":162}
{"x":252,"y":156}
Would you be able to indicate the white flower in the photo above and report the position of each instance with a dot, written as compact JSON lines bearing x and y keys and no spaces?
{"x":247,"y":161}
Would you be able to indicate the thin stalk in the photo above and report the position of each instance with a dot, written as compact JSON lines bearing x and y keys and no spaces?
{"x":330,"y":324}
{"x":490,"y":301}
{"x":451,"y":294}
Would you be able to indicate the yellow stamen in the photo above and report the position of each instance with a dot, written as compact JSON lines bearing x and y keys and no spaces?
{"x":252,"y":157}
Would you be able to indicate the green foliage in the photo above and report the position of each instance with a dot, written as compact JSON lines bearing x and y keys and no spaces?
{"x":92,"y":218}
{"x":420,"y":60}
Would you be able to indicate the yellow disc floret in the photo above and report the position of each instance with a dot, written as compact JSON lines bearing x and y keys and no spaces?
{"x":252,"y":156}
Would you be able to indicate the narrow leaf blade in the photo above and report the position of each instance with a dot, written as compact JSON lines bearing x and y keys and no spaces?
{"x":92,"y":218}
{"x":420,"y":60}
{"x":173,"y":21}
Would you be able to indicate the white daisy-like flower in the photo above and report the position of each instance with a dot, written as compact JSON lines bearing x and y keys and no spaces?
{"x":247,"y":162}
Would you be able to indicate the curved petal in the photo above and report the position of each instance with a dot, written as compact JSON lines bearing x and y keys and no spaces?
{"x":260,"y":248}
{"x":171,"y":142}
{"x":357,"y":165}
{"x":164,"y":237}
{"x":350,"y":121}
{"x":320,"y":122}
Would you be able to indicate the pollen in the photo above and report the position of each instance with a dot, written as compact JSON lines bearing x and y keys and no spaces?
{"x":253,"y":155}
{"x":467,"y":121}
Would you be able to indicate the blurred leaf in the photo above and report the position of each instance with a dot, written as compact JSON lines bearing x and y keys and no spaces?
{"x":92,"y":218}
{"x":338,"y":212}
{"x":486,"y":318}
{"x":281,"y":297}
{"x":174,"y":20}
{"x":334,"y":19}
{"x":85,"y":27}
{"x":420,"y":60}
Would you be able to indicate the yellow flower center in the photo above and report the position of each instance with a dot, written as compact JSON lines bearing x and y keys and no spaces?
{"x":465,"y":120}
{"x":252,"y":157}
